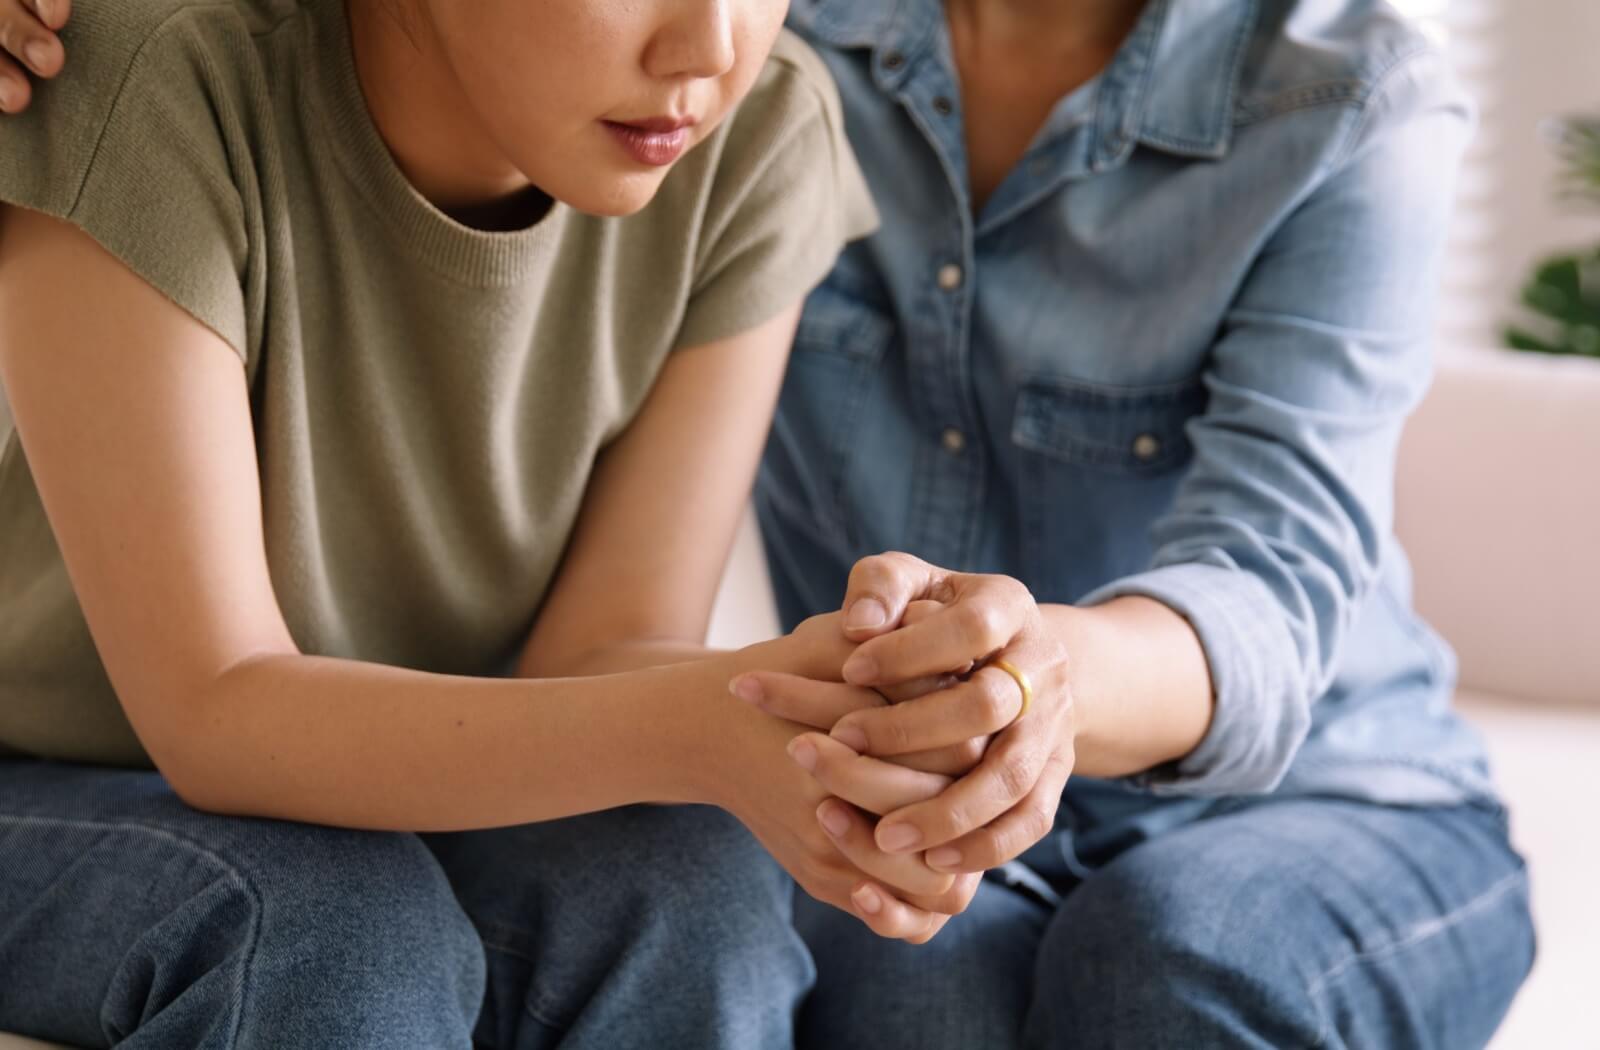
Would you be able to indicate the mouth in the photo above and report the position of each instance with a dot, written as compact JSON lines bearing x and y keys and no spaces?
{"x":656,"y":141}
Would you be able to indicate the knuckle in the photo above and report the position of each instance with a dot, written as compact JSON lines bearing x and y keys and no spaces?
{"x":1037,"y":822}
{"x":955,"y":819}
{"x":890,"y":736}
{"x":820,"y":854}
{"x":1061,"y":768}
{"x":875,"y":568}
{"x":1011,"y":843}
{"x":992,"y":699}
{"x":1015,"y":590}
{"x":970,"y":752}
{"x":1015,"y":774}
{"x":975,"y":620}
{"x":901,"y":560}
{"x":814,"y":623}
{"x":1041,"y":817}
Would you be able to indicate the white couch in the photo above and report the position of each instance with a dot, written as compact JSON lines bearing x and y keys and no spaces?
{"x":1499,"y":506}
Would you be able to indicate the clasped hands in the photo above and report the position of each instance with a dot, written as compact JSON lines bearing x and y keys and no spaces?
{"x":927,"y":776}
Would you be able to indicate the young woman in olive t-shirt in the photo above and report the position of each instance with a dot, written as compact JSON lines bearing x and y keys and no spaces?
{"x":512,"y":287}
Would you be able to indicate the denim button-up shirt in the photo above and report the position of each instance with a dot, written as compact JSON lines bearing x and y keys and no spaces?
{"x":1170,"y":356}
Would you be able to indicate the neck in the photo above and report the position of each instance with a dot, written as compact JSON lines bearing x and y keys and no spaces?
{"x":429,"y":125}
{"x":1051,"y":25}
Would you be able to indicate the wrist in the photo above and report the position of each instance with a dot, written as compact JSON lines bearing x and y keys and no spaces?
{"x":697,"y":756}
{"x":1141,"y":686}
{"x":1080,"y":631}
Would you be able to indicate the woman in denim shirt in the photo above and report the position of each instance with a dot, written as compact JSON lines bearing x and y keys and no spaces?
{"x":1124,"y":373}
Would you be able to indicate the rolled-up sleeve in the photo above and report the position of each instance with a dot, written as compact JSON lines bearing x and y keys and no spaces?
{"x":1276,"y":534}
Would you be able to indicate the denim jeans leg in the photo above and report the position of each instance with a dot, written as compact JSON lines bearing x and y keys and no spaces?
{"x":666,"y":927}
{"x":1295,"y":922}
{"x":968,"y":987}
{"x":129,"y":919}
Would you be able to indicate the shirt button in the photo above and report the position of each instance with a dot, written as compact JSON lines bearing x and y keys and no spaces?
{"x":953,"y":440}
{"x":943,"y":106}
{"x":893,"y":60}
{"x":1146,"y":447}
{"x":949,"y":277}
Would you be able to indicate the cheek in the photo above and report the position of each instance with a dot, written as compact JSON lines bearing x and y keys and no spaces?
{"x":527,"y":63}
{"x":753,"y":40}
{"x":757,"y":31}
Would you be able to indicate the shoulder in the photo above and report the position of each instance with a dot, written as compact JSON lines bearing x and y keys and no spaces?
{"x":793,"y":90}
{"x":157,"y":70}
{"x":1357,"y":53}
{"x":109,"y":39}
{"x":143,"y":141}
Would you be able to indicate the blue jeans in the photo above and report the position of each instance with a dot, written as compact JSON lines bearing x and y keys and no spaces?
{"x":128,"y":918}
{"x":1274,"y":924}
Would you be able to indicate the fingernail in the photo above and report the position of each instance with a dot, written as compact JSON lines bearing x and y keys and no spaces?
{"x":860,"y":669}
{"x":866,"y":612}
{"x":804,"y":753}
{"x":851,"y":737}
{"x":38,"y":53}
{"x":834,"y":819}
{"x":8,"y":95}
{"x":43,"y":9}
{"x":944,"y":857}
{"x":747,"y":689}
{"x":867,"y":900}
{"x":897,"y":838}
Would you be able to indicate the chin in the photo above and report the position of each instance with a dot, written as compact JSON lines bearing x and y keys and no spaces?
{"x":613,"y":196}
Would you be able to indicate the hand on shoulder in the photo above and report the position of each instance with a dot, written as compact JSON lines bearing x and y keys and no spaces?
{"x":29,"y":47}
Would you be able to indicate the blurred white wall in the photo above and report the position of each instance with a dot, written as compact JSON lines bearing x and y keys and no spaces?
{"x":1525,"y":63}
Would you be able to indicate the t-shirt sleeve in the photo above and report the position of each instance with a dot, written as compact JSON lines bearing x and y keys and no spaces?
{"x":787,"y":197}
{"x":128,"y":145}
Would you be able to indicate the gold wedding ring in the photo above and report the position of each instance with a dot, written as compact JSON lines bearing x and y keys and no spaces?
{"x":1022,"y":683}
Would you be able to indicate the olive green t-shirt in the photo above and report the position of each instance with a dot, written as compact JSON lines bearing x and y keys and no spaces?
{"x":428,"y":399}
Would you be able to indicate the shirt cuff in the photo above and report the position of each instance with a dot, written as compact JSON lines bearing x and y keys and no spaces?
{"x":1260,"y":716}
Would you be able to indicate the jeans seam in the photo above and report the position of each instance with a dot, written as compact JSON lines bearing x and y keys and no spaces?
{"x":229,"y":870}
{"x":1422,"y":933}
{"x":538,"y":1013}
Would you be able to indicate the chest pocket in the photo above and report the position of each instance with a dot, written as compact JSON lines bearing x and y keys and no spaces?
{"x":1127,"y":430}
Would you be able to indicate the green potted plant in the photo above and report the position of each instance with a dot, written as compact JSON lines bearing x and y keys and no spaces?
{"x":1563,"y":297}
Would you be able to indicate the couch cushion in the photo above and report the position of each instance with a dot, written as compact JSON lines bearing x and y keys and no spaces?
{"x":1543,"y":759}
{"x":1499,"y":508}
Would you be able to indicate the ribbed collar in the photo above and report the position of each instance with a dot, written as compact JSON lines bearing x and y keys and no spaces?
{"x":473,"y":257}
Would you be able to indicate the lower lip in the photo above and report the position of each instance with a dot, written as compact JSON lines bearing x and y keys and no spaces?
{"x":655,"y":148}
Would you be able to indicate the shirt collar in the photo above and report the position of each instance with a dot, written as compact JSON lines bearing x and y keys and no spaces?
{"x":1171,"y":86}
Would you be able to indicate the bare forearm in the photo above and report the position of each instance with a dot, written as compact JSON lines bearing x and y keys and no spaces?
{"x":1141,"y":686}
{"x":364,"y":745}
{"x":615,"y":658}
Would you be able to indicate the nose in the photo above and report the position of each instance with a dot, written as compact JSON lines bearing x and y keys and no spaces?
{"x":696,"y":41}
